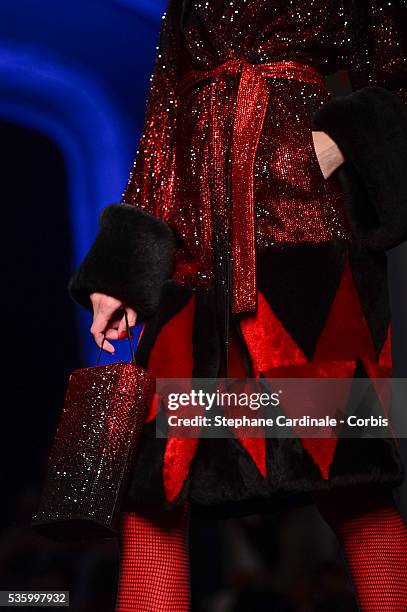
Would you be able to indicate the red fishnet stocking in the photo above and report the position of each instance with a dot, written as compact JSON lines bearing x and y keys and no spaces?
{"x":154,"y":568}
{"x":373,"y":538}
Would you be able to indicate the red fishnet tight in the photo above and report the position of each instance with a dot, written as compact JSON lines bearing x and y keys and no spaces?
{"x":373,"y":539}
{"x":154,"y":567}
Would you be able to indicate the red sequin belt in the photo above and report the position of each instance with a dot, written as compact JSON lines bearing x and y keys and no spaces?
{"x":250,"y":108}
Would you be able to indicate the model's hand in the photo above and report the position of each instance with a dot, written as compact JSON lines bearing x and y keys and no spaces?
{"x":108,"y":318}
{"x":330,"y":157}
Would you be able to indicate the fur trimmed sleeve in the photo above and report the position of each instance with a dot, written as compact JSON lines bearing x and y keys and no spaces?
{"x":131,"y":257}
{"x":370,"y":125}
{"x":370,"y":128}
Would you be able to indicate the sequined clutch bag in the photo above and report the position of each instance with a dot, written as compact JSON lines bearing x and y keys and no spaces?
{"x":103,"y":415}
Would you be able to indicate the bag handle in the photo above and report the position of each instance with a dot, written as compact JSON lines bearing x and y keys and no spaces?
{"x":128,"y":337}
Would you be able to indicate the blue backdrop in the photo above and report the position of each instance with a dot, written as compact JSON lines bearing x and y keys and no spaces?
{"x":78,"y":73}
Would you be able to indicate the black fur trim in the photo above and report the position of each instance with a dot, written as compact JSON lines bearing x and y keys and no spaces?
{"x":370,"y":128}
{"x":131,"y":257}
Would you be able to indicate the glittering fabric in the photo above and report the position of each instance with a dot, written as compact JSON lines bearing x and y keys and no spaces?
{"x":250,"y":108}
{"x":104,"y":412}
{"x":176,"y":174}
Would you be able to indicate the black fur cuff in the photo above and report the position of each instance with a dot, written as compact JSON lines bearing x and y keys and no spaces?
{"x":370,"y":128}
{"x":131,"y":257}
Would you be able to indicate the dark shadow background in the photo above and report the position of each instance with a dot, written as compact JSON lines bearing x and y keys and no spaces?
{"x":288,"y":562}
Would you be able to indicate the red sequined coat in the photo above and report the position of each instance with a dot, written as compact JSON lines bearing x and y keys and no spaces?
{"x":226,"y":160}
